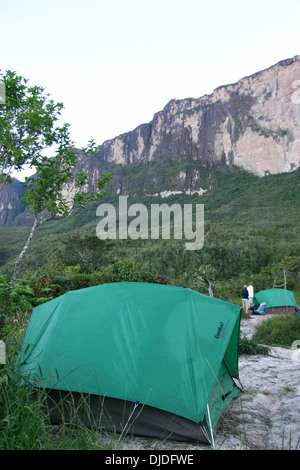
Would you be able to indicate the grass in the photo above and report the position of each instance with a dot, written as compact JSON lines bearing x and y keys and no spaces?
{"x":23,"y":423}
{"x":281,"y":330}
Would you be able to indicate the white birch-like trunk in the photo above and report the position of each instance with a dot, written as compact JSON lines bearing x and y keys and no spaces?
{"x":20,"y":257}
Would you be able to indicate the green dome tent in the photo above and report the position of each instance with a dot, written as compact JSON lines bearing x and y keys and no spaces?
{"x":157,"y":360}
{"x":275,"y":298}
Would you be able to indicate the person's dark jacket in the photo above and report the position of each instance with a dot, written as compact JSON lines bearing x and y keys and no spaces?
{"x":245,"y":294}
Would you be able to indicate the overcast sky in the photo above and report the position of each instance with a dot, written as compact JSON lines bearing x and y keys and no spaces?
{"x":114,"y":63}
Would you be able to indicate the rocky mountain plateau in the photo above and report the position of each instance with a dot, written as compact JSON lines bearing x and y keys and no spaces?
{"x":252,"y":124}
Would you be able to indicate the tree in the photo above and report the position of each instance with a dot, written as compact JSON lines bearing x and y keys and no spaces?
{"x":87,"y":251}
{"x":204,"y":278}
{"x":47,"y":192}
{"x":28,"y":125}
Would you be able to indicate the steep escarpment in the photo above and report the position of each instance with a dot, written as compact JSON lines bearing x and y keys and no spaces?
{"x":253,"y":124}
{"x":10,"y":203}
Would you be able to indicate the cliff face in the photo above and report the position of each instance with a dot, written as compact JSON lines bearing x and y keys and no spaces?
{"x":254,"y":124}
{"x":10,"y":203}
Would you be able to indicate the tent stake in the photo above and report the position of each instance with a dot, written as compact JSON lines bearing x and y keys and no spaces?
{"x":211,"y":429}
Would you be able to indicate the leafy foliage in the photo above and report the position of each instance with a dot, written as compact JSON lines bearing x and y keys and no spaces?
{"x":251,"y":232}
{"x":20,"y":300}
{"x":59,"y":279}
{"x":252,"y":347}
{"x":46,"y":193}
{"x":28,"y":123}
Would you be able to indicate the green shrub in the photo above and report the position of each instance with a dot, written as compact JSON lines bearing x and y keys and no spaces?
{"x":21,"y":299}
{"x":252,"y":347}
{"x":281,"y":330}
{"x":59,"y":279}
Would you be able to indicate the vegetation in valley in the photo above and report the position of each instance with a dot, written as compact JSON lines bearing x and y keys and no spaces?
{"x":251,"y":234}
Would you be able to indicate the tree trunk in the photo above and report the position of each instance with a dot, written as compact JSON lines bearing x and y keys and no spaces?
{"x":211,"y":294}
{"x":16,"y":271}
{"x":20,"y":257}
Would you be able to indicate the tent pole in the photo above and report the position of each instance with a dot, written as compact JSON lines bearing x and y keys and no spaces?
{"x":211,"y":429}
{"x":285,"y":291}
{"x":135,"y":406}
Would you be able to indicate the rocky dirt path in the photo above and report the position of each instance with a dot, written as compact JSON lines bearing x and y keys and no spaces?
{"x":265,"y":416}
{"x":269,"y":409}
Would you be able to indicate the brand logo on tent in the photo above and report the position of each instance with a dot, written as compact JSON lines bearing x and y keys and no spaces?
{"x":145,"y":225}
{"x":221,"y":331}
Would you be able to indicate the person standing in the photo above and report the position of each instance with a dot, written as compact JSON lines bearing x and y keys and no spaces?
{"x":245,"y":299}
{"x":250,"y":289}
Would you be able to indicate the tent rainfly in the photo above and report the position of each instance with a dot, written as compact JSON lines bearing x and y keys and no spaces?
{"x":275,"y":298}
{"x":153,"y":360}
